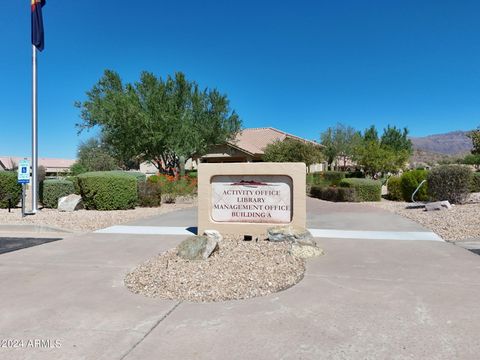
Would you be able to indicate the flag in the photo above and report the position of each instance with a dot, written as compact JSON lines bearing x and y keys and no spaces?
{"x":37,"y":24}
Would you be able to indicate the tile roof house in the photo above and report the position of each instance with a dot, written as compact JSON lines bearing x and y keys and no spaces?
{"x":249,"y":146}
{"x":52,"y":166}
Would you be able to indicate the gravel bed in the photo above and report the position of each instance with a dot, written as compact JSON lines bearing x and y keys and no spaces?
{"x":462,"y":222}
{"x":84,"y":220}
{"x":236,"y":270}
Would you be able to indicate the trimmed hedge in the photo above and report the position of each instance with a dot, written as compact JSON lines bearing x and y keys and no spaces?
{"x":475,"y":183}
{"x":394,"y":188}
{"x":53,"y":189}
{"x":74,"y":180}
{"x":9,"y":189}
{"x":365,"y":189}
{"x":409,"y":183}
{"x":141,"y":177}
{"x":149,"y":194}
{"x":108,"y":190}
{"x":450,"y":182}
{"x":336,"y":194}
{"x":334,"y":177}
{"x":325,"y":178}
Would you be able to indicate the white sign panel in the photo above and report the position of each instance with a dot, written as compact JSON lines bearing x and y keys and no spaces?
{"x":252,"y":199}
{"x":23,"y":176}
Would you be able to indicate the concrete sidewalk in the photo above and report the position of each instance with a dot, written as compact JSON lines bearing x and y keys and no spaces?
{"x":366,"y":299}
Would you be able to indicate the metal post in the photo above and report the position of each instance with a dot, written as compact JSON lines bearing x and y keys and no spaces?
{"x":34,"y":131}
{"x":23,"y":200}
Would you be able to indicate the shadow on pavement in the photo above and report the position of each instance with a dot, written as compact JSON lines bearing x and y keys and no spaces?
{"x":8,"y":244}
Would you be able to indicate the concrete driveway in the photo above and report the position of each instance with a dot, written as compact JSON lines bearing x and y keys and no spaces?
{"x":366,"y":299}
{"x":320,"y":214}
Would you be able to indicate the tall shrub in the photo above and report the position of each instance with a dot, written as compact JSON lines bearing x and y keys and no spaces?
{"x":9,"y":189}
{"x":450,"y":182}
{"x":409,"y":183}
{"x":149,"y":194}
{"x":53,"y":189}
{"x":365,"y":189}
{"x":108,"y":190}
{"x":394,"y":188}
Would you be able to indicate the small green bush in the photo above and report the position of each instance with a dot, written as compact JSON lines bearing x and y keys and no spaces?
{"x":394,"y":188}
{"x":449,"y":182}
{"x":108,"y":190}
{"x":365,"y":189}
{"x":409,"y":183}
{"x":475,"y":183}
{"x":336,"y":194}
{"x":53,"y":189}
{"x":9,"y":189}
{"x":334,"y":177}
{"x":149,"y":194}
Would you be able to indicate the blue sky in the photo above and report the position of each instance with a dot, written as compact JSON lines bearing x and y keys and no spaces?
{"x":299,"y":66}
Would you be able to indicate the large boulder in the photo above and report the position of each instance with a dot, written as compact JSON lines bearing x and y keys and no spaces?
{"x":197,"y":248}
{"x":70,"y":203}
{"x":291,"y":233}
{"x":438,"y":205}
{"x":213,"y":234}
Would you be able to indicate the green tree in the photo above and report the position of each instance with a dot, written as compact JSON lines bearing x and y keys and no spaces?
{"x":397,"y":141}
{"x":386,"y":154}
{"x":94,"y":155}
{"x":158,"y":120}
{"x":472,"y":159}
{"x":373,"y":158}
{"x":370,"y":134}
{"x":77,"y":169}
{"x":475,"y":136}
{"x":327,"y":139}
{"x":291,"y":150}
{"x":339,"y":142}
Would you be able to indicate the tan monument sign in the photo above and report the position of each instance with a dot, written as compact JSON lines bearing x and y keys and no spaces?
{"x":248,"y":198}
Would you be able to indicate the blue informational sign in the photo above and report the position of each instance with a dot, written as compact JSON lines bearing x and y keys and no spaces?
{"x":23,"y":176}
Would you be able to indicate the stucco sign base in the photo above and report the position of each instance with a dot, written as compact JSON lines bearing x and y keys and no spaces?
{"x":249,"y":198}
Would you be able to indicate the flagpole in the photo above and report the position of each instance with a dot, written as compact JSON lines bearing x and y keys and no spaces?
{"x":34,"y":131}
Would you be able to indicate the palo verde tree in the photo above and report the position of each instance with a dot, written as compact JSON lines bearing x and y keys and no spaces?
{"x":157,"y":120}
{"x":291,"y":150}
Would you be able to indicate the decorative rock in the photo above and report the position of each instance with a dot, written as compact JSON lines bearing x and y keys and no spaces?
{"x":291,"y":233}
{"x":197,"y":248}
{"x":438,"y":205}
{"x":214,"y":235}
{"x":305,"y":251}
{"x":70,"y":203}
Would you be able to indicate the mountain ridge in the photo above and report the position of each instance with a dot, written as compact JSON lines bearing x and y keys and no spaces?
{"x":451,"y":143}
